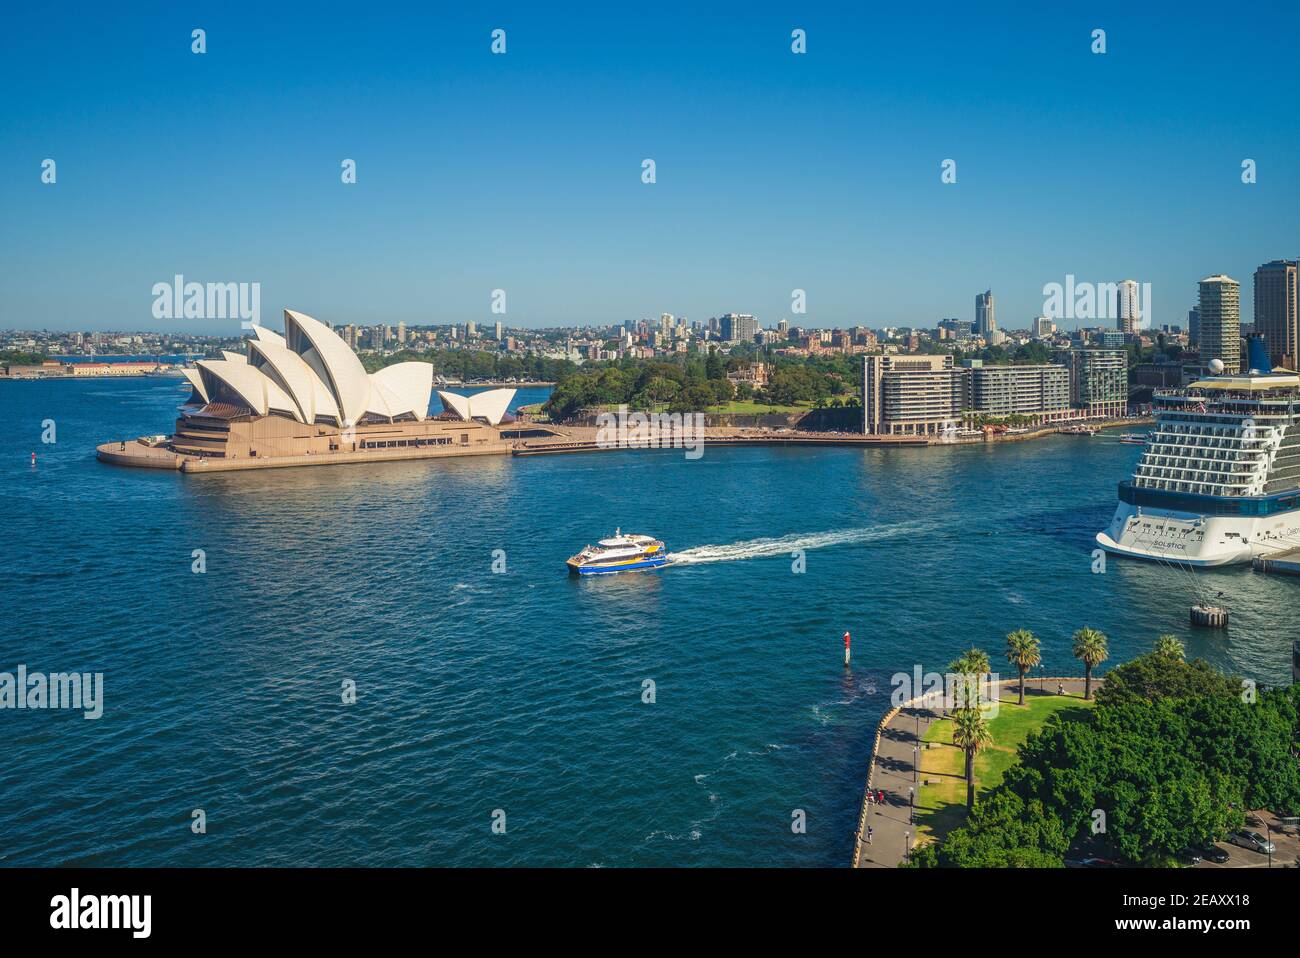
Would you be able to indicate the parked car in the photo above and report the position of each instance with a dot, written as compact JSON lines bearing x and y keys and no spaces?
{"x":1191,"y":855}
{"x":1213,"y":853}
{"x":1252,"y":840}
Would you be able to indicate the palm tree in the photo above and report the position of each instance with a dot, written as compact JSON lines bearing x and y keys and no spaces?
{"x":970,"y":733}
{"x":971,"y":664}
{"x":1171,"y":646}
{"x":1090,"y":649}
{"x":1023,"y":652}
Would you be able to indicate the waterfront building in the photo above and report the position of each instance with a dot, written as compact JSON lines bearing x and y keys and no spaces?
{"x":910,"y":395}
{"x":1276,"y":310}
{"x":1220,"y":322}
{"x":303,"y":398}
{"x":1041,"y":391}
{"x":1098,"y":381}
{"x":985,"y":320}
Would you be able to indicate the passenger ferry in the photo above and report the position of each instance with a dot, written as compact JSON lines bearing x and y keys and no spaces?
{"x":618,"y":554}
{"x":1219,"y":480}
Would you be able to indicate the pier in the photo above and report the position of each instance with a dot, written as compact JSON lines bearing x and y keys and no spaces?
{"x":1284,"y":563}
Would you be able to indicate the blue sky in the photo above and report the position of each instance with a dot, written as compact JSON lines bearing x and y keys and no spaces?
{"x":774,"y":171}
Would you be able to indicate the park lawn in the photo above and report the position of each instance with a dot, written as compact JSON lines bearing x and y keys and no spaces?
{"x":941,"y":806}
{"x":745,"y":407}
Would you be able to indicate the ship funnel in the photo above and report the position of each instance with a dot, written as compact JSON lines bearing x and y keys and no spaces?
{"x":1257,"y":355}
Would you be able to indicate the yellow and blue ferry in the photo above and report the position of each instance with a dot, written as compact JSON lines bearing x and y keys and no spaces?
{"x":621,"y":553}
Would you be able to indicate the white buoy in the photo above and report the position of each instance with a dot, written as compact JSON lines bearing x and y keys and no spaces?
{"x":846,"y":648}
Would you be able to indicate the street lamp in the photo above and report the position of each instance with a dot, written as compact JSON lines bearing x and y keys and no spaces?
{"x":916,"y":762}
{"x":911,"y":802}
{"x":907,"y":851}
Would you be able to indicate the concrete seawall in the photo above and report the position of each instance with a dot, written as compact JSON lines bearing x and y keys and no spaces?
{"x":139,"y":455}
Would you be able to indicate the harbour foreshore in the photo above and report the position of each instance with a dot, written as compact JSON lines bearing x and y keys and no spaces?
{"x":152,"y":452}
{"x":890,"y":769}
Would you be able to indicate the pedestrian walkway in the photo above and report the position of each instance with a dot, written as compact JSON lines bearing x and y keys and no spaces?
{"x":894,"y":770}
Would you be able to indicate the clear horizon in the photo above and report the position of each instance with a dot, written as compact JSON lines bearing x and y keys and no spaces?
{"x":775,"y":171}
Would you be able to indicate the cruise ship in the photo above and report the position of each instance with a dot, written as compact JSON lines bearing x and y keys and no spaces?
{"x":1219,"y":480}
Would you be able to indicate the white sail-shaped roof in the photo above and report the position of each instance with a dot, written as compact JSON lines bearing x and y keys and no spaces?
{"x":336,"y":364}
{"x":491,"y":405}
{"x":310,"y":373}
{"x":265,"y":335}
{"x":257,"y":390}
{"x":455,"y":403}
{"x":299,"y":380}
{"x":411,"y":385}
{"x":197,"y":382}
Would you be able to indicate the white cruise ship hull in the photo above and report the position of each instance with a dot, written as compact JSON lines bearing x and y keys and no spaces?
{"x":1163,"y":535}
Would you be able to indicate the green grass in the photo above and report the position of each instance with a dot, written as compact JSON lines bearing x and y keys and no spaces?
{"x":942,"y":806}
{"x":745,"y":407}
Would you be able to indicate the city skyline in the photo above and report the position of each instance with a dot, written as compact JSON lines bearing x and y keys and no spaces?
{"x":775,"y":171}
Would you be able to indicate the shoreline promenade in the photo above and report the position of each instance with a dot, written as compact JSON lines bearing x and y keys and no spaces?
{"x":892,"y":769}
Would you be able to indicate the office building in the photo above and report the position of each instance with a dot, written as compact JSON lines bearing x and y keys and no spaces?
{"x":985,"y":321}
{"x":1276,"y":311}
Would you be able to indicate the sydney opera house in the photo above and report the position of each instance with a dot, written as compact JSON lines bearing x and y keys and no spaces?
{"x":303,"y":398}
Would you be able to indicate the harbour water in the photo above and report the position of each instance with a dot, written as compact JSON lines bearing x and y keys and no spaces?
{"x":523,"y":691}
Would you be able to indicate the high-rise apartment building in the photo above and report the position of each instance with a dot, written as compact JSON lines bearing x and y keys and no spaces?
{"x":737,"y":327}
{"x":401,"y":333}
{"x":1128,"y":306}
{"x":1220,"y":322}
{"x":1194,"y":325}
{"x":985,"y":321}
{"x":498,"y":330}
{"x":1276,"y":310}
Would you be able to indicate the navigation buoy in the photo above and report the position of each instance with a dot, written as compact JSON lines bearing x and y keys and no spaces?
{"x":846,"y":648}
{"x":1210,"y":616}
{"x":33,"y":459}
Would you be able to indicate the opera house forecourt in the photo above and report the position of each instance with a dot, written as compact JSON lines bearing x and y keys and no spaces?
{"x":303,"y":398}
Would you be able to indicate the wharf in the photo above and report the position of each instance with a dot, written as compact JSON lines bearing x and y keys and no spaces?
{"x":549,"y":448}
{"x":1284,"y":563}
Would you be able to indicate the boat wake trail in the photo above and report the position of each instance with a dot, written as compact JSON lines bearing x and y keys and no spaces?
{"x":784,"y":545}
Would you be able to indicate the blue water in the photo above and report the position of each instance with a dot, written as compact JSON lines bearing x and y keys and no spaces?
{"x":522,"y":691}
